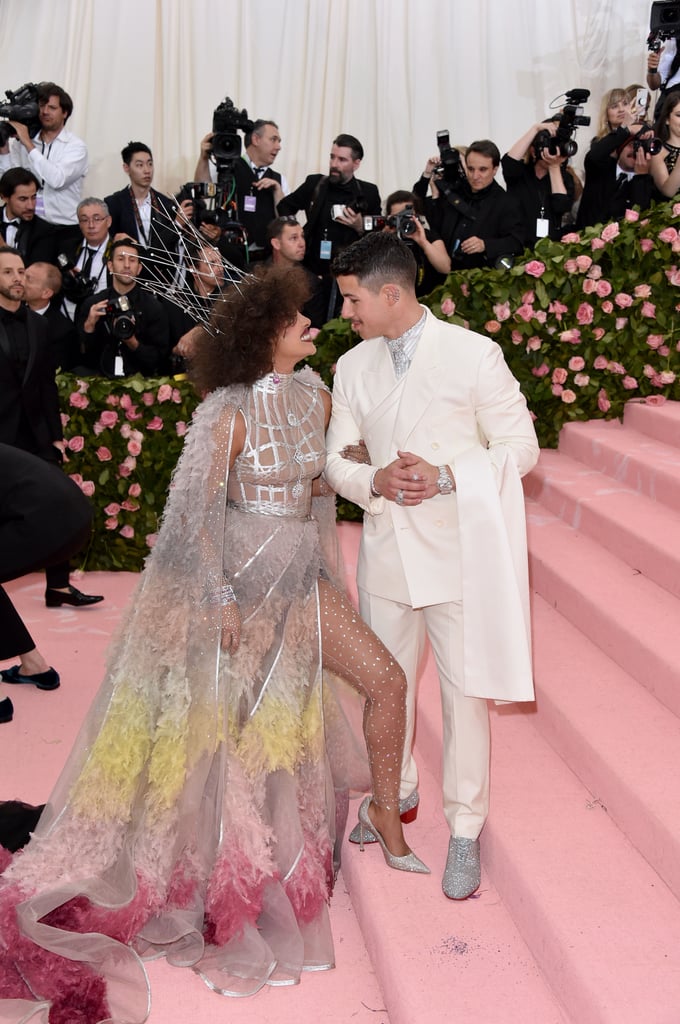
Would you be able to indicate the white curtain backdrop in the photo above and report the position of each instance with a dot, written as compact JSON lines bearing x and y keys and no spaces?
{"x":391,"y":72}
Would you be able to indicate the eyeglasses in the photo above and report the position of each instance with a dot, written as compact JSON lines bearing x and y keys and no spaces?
{"x":97,"y":219}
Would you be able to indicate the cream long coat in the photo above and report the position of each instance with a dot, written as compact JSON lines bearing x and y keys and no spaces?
{"x":458,"y":405}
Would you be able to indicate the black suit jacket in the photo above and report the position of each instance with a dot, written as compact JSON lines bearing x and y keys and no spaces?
{"x":603,"y":198}
{"x":34,"y":397}
{"x":35,"y":241}
{"x":163,"y":235}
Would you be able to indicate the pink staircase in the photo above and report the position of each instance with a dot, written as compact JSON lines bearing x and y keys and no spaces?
{"x":578,"y":918}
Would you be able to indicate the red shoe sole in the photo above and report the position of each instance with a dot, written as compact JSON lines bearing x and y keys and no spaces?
{"x":408,"y":816}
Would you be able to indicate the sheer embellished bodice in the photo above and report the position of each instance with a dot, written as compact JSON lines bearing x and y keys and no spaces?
{"x":283,"y":451}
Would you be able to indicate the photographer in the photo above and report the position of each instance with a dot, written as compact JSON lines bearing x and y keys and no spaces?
{"x":403,"y":211}
{"x":123,"y":330}
{"x":474,"y":216}
{"x":56,"y":156}
{"x":618,"y":176}
{"x":539,"y":182}
{"x":335,"y":205}
{"x":83,"y":261}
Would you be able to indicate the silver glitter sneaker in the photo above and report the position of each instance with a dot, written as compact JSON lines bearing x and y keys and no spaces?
{"x":409,"y":862}
{"x":462,"y":873}
{"x":408,"y":809}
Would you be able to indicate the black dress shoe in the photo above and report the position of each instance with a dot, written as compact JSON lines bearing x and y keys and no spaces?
{"x":43,"y":680}
{"x":6,"y":710}
{"x":55,"y":598}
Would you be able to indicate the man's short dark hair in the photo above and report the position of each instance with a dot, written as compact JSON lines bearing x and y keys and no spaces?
{"x":16,"y":176}
{"x":487,"y":148}
{"x":402,"y":196}
{"x":350,"y":142}
{"x":257,"y":130}
{"x":48,"y":89}
{"x":8,"y":249}
{"x":127,"y":152}
{"x":377,"y":259}
{"x":129,"y":243}
{"x":276,"y":226}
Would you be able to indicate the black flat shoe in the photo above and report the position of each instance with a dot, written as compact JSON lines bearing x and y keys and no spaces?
{"x":6,"y":710}
{"x":43,"y":680}
{"x":55,"y":598}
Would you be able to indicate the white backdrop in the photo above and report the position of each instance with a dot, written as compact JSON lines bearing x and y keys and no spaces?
{"x":391,"y":72}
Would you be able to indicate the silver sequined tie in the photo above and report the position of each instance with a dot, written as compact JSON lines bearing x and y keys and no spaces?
{"x":399,"y":357}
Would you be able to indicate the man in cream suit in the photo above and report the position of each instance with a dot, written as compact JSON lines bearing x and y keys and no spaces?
{"x":443,"y":549}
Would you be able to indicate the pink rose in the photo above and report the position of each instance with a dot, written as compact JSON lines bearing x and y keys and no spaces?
{"x":111,"y":523}
{"x":151,"y":539}
{"x":533,"y":344}
{"x":127,"y":532}
{"x":78,"y":401}
{"x":528,"y":298}
{"x":676,"y":213}
{"x":607,"y":306}
{"x":648,"y":309}
{"x":600,"y":363}
{"x":668,"y":235}
{"x":112,"y":400}
{"x":491,"y":327}
{"x":667,"y":377}
{"x":98,"y":429}
{"x":581,"y":380}
{"x":164,"y":393}
{"x":134,"y":490}
{"x":134,"y":447}
{"x":664,"y":351}
{"x":629,"y":383}
{"x":448,"y":307}
{"x":595,"y":272}
{"x":621,"y":323}
{"x":570,"y":266}
{"x":558,"y":308}
{"x":535,"y":268}
{"x":559,"y":375}
{"x":137,"y":436}
{"x":572,"y":336}
{"x":609,"y":233}
{"x":76,"y":444}
{"x":584,"y":262}
{"x":623,"y":300}
{"x":576,"y":363}
{"x":77,"y":479}
{"x":87,"y":487}
{"x":557,"y":390}
{"x":125,"y":402}
{"x":465,"y":289}
{"x":649,"y":371}
{"x":631,"y":215}
{"x":646,"y":244}
{"x":148,"y":398}
{"x":65,"y":420}
{"x":657,"y":399}
{"x":603,"y":288}
{"x":603,"y":403}
{"x":516,"y":338}
{"x":598,"y":332}
{"x":502,"y":311}
{"x":525,"y":312}
{"x":125,"y":430}
{"x":654,"y":340}
{"x":155,"y":424}
{"x":129,"y":506}
{"x":589,"y":286}
{"x":103,"y":454}
{"x":614,"y":367}
{"x":181,"y":428}
{"x":540,"y":315}
{"x":108,"y":418}
{"x":177,"y":395}
{"x":130,"y":461}
{"x":571,"y":236}
{"x":540,"y":371}
{"x":642,"y":291}
{"x":83,"y":386}
{"x":112,"y":509}
{"x":596,"y":243}
{"x":124,"y":470}
{"x":568,"y":396}
{"x":132,"y":414}
{"x":584,"y":313}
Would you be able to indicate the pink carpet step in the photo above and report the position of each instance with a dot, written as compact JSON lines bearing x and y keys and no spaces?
{"x":635,"y":460}
{"x":630,"y":618}
{"x":638,"y":530}
{"x":660,"y":422}
{"x":620,"y":741}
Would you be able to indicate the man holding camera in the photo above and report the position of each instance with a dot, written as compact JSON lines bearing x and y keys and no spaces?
{"x":20,"y":227}
{"x":474,"y":216}
{"x":56,"y":156}
{"x":83,"y":261}
{"x":535,"y":172}
{"x":402,"y":217}
{"x":258,"y":187}
{"x":617,"y":175}
{"x":124,"y":329}
{"x":335,"y":205}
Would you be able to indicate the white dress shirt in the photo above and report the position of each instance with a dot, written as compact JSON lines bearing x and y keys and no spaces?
{"x":60,"y":165}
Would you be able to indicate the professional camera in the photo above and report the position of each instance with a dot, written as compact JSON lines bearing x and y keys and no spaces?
{"x":374,"y":223}
{"x":121,"y":321}
{"x":664,"y":23}
{"x":22,"y":106}
{"x":226,"y":143}
{"x":651,"y":144}
{"x":571,"y":118}
{"x":451,"y":168}
{"x":404,"y":222}
{"x":74,"y":285}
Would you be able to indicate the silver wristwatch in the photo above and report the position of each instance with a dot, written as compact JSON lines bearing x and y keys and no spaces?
{"x":444,"y":481}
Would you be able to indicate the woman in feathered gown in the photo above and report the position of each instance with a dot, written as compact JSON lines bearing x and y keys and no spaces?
{"x":194,"y":817}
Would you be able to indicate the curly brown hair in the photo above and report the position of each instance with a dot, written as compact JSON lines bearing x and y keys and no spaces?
{"x":244,"y":326}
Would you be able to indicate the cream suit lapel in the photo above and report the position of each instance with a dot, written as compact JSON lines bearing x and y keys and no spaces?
{"x":382,"y":387}
{"x":420,"y":384}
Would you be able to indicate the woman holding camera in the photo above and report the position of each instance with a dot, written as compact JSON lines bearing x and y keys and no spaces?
{"x":403,"y":213}
{"x":536,"y":177}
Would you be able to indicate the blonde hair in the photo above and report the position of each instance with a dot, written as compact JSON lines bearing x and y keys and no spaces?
{"x":610,"y":99}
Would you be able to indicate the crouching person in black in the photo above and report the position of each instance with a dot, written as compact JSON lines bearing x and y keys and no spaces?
{"x":124,"y":329}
